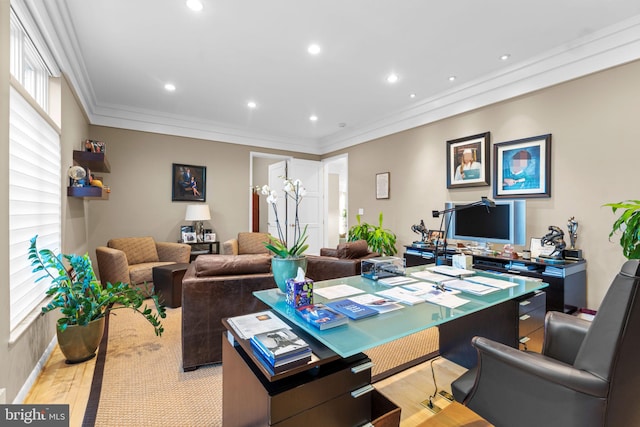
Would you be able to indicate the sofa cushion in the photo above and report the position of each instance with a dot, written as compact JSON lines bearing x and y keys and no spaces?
{"x":232,"y":265}
{"x":143,"y":272}
{"x":353,"y":250}
{"x":137,"y":249}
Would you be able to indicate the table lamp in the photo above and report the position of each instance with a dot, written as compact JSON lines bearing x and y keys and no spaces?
{"x":198,"y":213}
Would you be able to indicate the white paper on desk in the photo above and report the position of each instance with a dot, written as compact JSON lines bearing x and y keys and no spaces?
{"x":249,"y":325}
{"x":489,"y":281}
{"x":444,"y":298}
{"x":377,"y":302}
{"x":451,"y":271}
{"x":337,"y":291}
{"x":430,"y":276}
{"x":396,"y":280}
{"x":470,"y":287}
{"x":419,"y":288}
{"x":401,"y":295}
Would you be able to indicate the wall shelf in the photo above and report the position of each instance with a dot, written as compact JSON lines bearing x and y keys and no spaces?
{"x":94,"y":162}
{"x":96,"y":193}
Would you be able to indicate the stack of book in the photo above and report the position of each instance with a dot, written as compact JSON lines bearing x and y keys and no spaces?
{"x":280,"y":349}
{"x":320,"y":316}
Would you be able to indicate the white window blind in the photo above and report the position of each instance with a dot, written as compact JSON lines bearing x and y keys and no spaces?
{"x":35,"y":186}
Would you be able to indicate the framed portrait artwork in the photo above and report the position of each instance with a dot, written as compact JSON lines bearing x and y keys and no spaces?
{"x":468,"y":161}
{"x":523,"y":168}
{"x":382,"y":185}
{"x":188,"y":183}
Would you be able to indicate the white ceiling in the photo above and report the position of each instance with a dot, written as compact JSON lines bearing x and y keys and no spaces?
{"x":118,"y":55}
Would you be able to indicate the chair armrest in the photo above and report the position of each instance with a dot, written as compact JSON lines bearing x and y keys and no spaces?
{"x":113,"y":266}
{"x":230,"y":247}
{"x":177,"y":252}
{"x":563,"y":336}
{"x":505,"y":364}
{"x":332,"y":252}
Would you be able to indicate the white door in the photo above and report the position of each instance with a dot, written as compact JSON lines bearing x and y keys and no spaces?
{"x":276,"y":173}
{"x":311,"y":208}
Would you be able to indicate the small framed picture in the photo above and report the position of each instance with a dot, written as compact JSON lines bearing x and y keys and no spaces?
{"x":523,"y":168}
{"x":209,"y":237}
{"x":189,"y":237}
{"x":382,"y":185}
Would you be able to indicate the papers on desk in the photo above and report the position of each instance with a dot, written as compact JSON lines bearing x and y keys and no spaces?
{"x":470,"y":287}
{"x":489,"y":281}
{"x":396,"y":280}
{"x":443,"y":298}
{"x":256,"y":323}
{"x":401,"y":295}
{"x":430,"y":276}
{"x":447,"y":270}
{"x":378,"y":303}
{"x":337,"y":291}
{"x":422,"y":287}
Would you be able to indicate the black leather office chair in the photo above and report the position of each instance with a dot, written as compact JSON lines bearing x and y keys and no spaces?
{"x":587,"y":375}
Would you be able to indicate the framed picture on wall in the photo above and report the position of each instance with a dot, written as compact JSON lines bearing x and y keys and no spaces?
{"x":382,"y":185}
{"x":468,"y":161}
{"x":188,"y":183}
{"x":523,"y":168}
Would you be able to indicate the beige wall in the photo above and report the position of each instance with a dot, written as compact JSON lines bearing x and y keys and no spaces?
{"x":595,"y":146}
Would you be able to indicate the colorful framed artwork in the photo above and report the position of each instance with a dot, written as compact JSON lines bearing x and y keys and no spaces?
{"x":523,"y":168}
{"x":468,"y":161}
{"x":188,"y":183}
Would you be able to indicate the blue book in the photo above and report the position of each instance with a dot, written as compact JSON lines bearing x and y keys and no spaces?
{"x":352,"y":309}
{"x":321,"y":316}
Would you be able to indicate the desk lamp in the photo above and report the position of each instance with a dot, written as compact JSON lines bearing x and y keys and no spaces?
{"x":484,"y":201}
{"x":198,"y":213}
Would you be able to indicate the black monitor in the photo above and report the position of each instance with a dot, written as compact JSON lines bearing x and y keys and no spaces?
{"x":504,"y":223}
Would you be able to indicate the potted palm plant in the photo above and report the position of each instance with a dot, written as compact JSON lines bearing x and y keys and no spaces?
{"x":628,"y":224}
{"x":84,"y":302}
{"x":379,"y":239}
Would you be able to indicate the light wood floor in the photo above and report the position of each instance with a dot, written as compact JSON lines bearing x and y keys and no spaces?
{"x":62,"y":383}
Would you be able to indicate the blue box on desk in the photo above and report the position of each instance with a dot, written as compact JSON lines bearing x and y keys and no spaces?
{"x":299,"y":293}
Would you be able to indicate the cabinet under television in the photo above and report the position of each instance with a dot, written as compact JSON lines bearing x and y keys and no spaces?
{"x":567,"y":291}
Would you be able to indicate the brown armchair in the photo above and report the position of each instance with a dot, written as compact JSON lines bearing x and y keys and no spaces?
{"x":587,"y":374}
{"x":343,"y":261}
{"x":131,"y":260}
{"x":246,"y":243}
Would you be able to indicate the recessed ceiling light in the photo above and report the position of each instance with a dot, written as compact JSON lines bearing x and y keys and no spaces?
{"x":169,"y":87}
{"x":313,"y":118}
{"x":392,"y":78}
{"x":252,"y":104}
{"x":505,"y":57}
{"x":452,"y":78}
{"x":413,"y":95}
{"x":313,"y":49}
{"x":195,"y":5}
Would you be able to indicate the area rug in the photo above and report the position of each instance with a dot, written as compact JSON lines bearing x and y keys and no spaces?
{"x":139,"y":380}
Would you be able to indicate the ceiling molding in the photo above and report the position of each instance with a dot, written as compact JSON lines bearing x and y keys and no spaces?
{"x":612,"y":46}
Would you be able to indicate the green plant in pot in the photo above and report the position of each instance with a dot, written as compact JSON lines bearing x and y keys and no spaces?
{"x":287,"y":258}
{"x":628,"y":225}
{"x":379,"y":239}
{"x":84,"y":302}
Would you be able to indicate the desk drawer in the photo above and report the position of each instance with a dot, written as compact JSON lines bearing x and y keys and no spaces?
{"x":314,"y":391}
{"x":533,"y":341}
{"x":532,"y":302}
{"x":531,"y":321}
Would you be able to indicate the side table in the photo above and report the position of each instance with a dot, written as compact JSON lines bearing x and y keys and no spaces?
{"x":196,"y":248}
{"x":167,"y":281}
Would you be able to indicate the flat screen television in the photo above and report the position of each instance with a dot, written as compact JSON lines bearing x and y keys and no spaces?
{"x":505,"y":223}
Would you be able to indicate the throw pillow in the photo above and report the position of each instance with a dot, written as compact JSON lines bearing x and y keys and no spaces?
{"x":137,"y":249}
{"x":353,"y":250}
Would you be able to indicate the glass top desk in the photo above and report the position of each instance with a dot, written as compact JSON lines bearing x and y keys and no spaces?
{"x":360,"y":335}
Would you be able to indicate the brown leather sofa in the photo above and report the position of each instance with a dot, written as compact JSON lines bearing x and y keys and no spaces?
{"x":213,"y":288}
{"x":131,"y":260}
{"x":343,"y":261}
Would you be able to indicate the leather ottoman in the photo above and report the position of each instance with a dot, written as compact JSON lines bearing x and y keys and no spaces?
{"x":167,"y":281}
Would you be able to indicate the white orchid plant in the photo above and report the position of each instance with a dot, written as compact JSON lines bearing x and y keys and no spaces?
{"x":294,"y":190}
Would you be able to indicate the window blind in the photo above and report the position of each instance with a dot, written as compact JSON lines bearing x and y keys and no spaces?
{"x":35,"y":186}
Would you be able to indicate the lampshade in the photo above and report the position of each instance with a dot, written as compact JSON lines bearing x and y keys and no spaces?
{"x":197,"y":213}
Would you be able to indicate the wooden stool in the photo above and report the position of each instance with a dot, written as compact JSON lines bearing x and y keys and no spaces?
{"x":456,"y":415}
{"x":167,"y":281}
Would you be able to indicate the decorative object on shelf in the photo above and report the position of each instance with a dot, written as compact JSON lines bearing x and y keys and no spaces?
{"x":84,"y":302}
{"x":554,"y":237}
{"x":468,"y":161}
{"x":189,"y":183}
{"x":382,"y":185}
{"x":197,"y":214}
{"x":523,"y":168}
{"x":77,"y":175}
{"x":572,"y":253}
{"x":94,"y":146}
{"x":422,"y":230}
{"x":379,"y":239}
{"x":209,"y":236}
{"x":628,"y":224}
{"x":287,"y":259}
